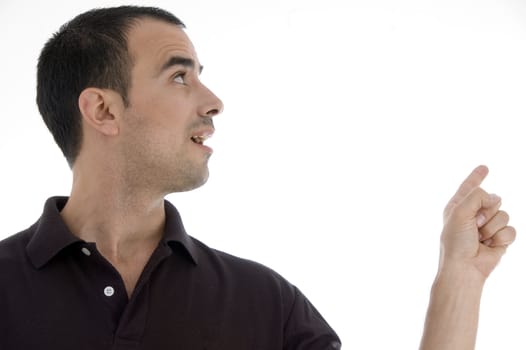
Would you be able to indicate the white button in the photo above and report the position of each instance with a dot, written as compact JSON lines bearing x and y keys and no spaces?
{"x":86,"y":251}
{"x":108,"y":291}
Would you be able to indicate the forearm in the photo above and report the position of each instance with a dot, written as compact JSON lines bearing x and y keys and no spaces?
{"x":453,"y":313}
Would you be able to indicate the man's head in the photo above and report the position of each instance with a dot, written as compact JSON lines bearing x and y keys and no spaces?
{"x":127,"y":78}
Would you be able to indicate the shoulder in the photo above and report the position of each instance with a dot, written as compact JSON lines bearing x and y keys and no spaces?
{"x":257,"y":283}
{"x":13,"y":247}
{"x":237,"y":268}
{"x":265,"y":289}
{"x":249,"y":284}
{"x":14,"y":263}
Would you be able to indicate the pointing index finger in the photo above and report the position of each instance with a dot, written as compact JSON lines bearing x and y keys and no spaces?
{"x":471,"y":182}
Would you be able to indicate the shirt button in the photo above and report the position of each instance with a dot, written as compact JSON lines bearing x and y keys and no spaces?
{"x":108,"y":291}
{"x":86,"y":251}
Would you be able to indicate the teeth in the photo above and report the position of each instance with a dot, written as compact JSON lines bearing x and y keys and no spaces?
{"x":198,"y":139}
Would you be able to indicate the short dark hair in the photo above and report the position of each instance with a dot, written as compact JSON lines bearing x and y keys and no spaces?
{"x":91,"y":50}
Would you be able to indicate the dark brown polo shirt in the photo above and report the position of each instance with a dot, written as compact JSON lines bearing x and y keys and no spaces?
{"x":57,"y":292}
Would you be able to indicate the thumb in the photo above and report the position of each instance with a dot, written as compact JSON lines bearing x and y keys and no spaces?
{"x":476,"y":205}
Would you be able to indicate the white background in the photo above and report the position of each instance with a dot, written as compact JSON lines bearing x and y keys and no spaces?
{"x":347,"y":127}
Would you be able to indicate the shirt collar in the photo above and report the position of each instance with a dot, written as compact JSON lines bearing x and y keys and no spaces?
{"x":175,"y":233}
{"x":51,"y":235}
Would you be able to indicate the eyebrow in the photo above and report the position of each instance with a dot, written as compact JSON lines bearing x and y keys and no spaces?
{"x":180,"y":61}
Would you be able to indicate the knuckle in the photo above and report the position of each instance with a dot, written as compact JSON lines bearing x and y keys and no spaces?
{"x":475,"y":196}
{"x":506,"y":236}
{"x":479,"y":193}
{"x":512,"y":231}
{"x":504,"y":216}
{"x":484,"y":230}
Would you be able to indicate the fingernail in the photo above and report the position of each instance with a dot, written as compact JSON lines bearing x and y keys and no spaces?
{"x":480,"y":220}
{"x":494,"y":198}
{"x":488,"y":242}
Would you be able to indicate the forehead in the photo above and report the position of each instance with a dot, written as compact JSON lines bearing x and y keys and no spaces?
{"x":153,"y":41}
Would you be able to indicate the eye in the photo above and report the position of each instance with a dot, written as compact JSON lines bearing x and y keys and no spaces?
{"x":179,"y":77}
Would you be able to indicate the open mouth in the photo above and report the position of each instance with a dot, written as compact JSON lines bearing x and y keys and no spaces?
{"x":200,"y":137}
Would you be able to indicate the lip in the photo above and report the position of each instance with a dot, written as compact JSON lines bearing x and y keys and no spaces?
{"x":203,"y":134}
{"x":206,"y":148}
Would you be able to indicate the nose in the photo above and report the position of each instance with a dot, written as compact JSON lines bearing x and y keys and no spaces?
{"x":211,"y":104}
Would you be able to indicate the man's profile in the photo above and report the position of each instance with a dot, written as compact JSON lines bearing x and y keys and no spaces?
{"x":111,"y":266}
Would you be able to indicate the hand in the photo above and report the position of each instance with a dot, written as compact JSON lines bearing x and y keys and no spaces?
{"x":475,"y":236}
{"x":476,"y":232}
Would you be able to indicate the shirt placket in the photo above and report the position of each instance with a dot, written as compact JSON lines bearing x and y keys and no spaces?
{"x":108,"y":286}
{"x":128,"y":316}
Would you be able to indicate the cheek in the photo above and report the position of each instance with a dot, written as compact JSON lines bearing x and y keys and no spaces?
{"x":156,"y":117}
{"x":166,"y":112}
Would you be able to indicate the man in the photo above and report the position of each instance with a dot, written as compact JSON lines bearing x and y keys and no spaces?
{"x":111,"y":267}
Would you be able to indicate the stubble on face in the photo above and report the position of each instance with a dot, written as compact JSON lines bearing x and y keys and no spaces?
{"x":157,"y":149}
{"x":152,"y":163}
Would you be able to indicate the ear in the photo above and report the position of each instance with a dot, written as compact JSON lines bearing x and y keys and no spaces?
{"x":101,"y":109}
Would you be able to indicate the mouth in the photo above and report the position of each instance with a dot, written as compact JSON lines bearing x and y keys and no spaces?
{"x":201,"y":136}
{"x":199,"y":139}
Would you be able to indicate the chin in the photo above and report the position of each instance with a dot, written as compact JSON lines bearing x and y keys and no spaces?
{"x":191,"y":183}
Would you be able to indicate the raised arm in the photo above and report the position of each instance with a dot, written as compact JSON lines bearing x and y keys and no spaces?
{"x":474,"y":238}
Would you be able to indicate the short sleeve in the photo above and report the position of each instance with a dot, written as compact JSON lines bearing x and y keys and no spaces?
{"x":306,"y":329}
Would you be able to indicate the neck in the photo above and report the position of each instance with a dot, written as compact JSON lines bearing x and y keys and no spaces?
{"x":122,"y":222}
